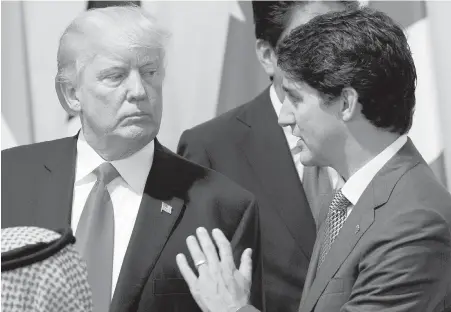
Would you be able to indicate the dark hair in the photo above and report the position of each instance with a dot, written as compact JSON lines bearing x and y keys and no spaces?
{"x":363,"y":49}
{"x":106,"y":4}
{"x":272,"y":17}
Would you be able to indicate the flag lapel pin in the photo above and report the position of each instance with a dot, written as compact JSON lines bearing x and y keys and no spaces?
{"x":357,"y":229}
{"x":166,"y":208}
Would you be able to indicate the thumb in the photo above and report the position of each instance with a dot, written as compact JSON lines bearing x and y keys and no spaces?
{"x":246,"y":264}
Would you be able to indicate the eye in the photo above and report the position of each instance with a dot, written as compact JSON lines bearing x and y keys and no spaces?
{"x":116,"y":77}
{"x":295,"y":99}
{"x":148,"y":73}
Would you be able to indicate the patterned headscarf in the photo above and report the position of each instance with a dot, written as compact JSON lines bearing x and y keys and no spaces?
{"x":43,"y":282}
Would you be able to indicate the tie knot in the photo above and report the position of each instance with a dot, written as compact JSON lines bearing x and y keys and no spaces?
{"x":339,"y":201}
{"x":106,"y":173}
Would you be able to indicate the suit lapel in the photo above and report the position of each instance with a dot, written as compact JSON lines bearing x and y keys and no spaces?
{"x":152,"y":229}
{"x":321,"y":202}
{"x":311,"y":273}
{"x":362,"y":215}
{"x":375,"y":195}
{"x":318,"y":190}
{"x":268,"y":154}
{"x":322,"y":187}
{"x":55,"y":190}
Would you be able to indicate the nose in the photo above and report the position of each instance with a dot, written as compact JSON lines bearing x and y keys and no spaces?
{"x":286,"y":116}
{"x":136,"y":90}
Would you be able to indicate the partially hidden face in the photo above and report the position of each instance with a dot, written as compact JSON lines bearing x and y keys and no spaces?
{"x":301,"y":15}
{"x":314,"y":120}
{"x":120,"y":94}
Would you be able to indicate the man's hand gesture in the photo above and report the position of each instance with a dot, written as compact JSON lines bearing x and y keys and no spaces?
{"x":220,"y":287}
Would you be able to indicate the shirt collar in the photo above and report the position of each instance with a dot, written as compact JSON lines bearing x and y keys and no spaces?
{"x":275,"y":100}
{"x":133,"y":169}
{"x":358,"y":182}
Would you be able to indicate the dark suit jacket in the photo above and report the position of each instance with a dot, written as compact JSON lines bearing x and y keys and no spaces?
{"x":393,"y":253}
{"x":37,"y":187}
{"x":247,"y":145}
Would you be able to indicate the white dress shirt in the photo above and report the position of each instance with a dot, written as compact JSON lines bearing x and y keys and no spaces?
{"x":359,"y":181}
{"x":335,"y":179}
{"x":125,"y":191}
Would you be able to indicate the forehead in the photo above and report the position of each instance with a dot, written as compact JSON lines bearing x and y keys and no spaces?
{"x":131,"y":57}
{"x":121,"y":42}
{"x":298,"y":87}
{"x":301,"y":14}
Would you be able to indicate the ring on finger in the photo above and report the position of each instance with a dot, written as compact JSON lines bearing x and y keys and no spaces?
{"x":199,"y":263}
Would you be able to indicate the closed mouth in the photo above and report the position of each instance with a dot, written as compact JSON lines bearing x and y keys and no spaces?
{"x":137,"y":115}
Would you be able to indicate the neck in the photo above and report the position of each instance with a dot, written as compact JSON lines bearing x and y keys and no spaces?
{"x":112,"y":148}
{"x":361,"y":149}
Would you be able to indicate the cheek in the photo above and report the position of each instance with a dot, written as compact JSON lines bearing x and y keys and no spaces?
{"x":154,"y":92}
{"x":155,"y":100}
{"x":302,"y":118}
{"x":311,"y":125}
{"x":104,"y":105}
{"x":110,"y":104}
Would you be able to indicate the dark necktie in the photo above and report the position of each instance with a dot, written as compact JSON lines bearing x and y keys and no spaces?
{"x":334,"y":222}
{"x":95,"y":237}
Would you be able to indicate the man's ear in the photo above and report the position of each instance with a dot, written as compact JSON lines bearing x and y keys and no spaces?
{"x":266,"y":56}
{"x":350,"y":104}
{"x":67,"y":96}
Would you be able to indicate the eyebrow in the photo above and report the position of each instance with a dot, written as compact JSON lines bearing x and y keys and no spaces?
{"x":146,"y":61}
{"x":109,"y":70}
{"x":151,"y":63}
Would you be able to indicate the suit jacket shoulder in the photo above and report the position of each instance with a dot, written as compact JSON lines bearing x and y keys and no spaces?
{"x":397,"y":237}
{"x":31,"y":154}
{"x":186,"y":178}
{"x":224,"y":127}
{"x":420,"y":187}
{"x":37,"y":183}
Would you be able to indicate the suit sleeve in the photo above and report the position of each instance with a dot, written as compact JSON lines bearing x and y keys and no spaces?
{"x":248,"y":235}
{"x":192,"y":149}
{"x":408,"y":267}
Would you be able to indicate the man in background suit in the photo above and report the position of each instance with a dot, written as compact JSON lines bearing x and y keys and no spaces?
{"x":248,"y":146}
{"x":130,"y":201}
{"x":386,"y":243}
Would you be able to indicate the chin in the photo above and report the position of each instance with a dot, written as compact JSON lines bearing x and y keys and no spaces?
{"x":138,"y":132}
{"x":308,"y":159}
{"x":132,"y":138}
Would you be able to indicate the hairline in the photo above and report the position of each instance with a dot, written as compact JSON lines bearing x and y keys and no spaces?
{"x":300,"y":5}
{"x":72,"y":72}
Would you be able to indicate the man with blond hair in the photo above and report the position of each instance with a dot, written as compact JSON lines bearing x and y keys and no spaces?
{"x":130,"y":201}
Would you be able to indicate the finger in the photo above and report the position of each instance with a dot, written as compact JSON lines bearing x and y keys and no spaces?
{"x":196,"y":253}
{"x":185,"y":269}
{"x":246,"y":264}
{"x":191,"y":280}
{"x":208,"y":249}
{"x":225,"y":250}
